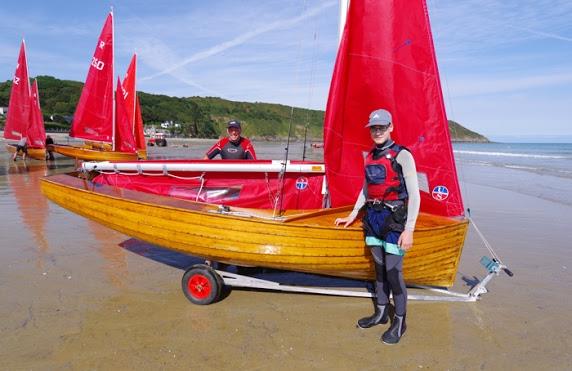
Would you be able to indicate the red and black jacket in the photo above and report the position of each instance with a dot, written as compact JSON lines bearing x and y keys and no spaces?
{"x":240,"y":150}
{"x":384,"y":176}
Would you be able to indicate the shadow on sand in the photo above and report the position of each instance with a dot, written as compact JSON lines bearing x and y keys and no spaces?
{"x":183,"y":261}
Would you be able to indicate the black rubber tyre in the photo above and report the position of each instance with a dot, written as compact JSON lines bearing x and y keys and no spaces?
{"x":202,"y":285}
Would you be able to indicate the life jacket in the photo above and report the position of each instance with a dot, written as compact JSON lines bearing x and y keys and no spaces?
{"x":383,"y":175}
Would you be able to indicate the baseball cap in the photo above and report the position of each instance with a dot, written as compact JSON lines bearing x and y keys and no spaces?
{"x":233,"y":124}
{"x":379,"y":117}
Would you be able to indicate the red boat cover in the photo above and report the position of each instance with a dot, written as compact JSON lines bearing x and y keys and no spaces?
{"x":36,"y":131}
{"x":252,"y":190}
{"x":387,"y":60}
{"x":19,"y":106}
{"x":93,"y":118}
{"x":124,"y":141}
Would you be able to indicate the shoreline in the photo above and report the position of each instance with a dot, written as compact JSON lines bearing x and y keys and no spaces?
{"x":67,"y":138}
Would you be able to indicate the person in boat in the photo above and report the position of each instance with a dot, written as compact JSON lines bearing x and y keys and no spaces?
{"x":22,"y":146}
{"x":391,"y":197}
{"x":49,"y":151}
{"x":234,"y":146}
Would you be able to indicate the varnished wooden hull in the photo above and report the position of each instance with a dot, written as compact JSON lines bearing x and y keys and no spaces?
{"x":305,"y":241}
{"x":35,"y":153}
{"x":88,"y":153}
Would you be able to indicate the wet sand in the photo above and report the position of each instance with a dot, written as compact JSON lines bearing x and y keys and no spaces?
{"x":73,"y":298}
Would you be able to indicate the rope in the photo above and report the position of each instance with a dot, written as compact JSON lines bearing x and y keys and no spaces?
{"x":202,"y":177}
{"x":485,"y":242}
{"x":140,"y":172}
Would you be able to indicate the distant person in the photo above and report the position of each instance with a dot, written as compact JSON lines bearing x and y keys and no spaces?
{"x":49,"y":148}
{"x":22,"y":146}
{"x":234,"y":146}
{"x":391,"y":196}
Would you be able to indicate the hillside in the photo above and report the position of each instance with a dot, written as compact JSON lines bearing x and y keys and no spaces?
{"x":202,"y":117}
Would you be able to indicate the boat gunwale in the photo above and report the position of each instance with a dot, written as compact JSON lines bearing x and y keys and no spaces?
{"x":292,"y":220}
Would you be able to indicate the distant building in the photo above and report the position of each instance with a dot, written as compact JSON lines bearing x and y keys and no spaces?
{"x":3,"y":110}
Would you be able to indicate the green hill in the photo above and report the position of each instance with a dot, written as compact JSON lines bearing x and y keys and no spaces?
{"x":202,"y":117}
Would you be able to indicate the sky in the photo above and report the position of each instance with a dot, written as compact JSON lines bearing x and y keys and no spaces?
{"x":505,"y":65}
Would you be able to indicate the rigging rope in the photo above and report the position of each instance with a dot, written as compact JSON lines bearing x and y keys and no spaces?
{"x":278,"y":208}
{"x":485,"y":241}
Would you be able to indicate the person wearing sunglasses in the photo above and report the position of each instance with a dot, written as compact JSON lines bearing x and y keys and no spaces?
{"x":391,"y":198}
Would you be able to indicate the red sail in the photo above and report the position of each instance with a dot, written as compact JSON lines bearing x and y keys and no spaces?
{"x":93,"y":118}
{"x":124,"y":141}
{"x":129,"y":94}
{"x":387,"y":60}
{"x":36,"y":131}
{"x":139,"y":133}
{"x":132,"y":103}
{"x":19,"y":106}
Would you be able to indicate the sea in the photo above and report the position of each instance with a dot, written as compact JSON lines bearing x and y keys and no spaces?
{"x":542,"y":170}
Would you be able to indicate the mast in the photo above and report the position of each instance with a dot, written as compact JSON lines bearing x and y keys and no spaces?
{"x":27,"y":70}
{"x":113,"y":74}
{"x":344,"y":5}
{"x":134,"y":92}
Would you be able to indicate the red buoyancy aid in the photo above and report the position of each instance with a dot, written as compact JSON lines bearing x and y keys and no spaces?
{"x":383,"y":175}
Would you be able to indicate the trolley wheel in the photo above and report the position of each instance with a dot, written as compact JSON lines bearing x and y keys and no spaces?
{"x":202,"y":285}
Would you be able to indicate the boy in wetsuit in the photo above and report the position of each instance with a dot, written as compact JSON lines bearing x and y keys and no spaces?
{"x":392,"y":199}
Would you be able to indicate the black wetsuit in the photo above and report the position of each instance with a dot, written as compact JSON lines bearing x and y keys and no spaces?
{"x":239,"y":150}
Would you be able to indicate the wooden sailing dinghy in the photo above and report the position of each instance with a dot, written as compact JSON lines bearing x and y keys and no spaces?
{"x":272,"y":214}
{"x":101,"y":117}
{"x":24,"y":113}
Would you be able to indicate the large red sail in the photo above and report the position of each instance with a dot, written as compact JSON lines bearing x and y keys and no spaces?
{"x":124,"y":141}
{"x":132,"y":103}
{"x":19,"y":106}
{"x":387,"y":60}
{"x":93,"y":118}
{"x":36,"y":130}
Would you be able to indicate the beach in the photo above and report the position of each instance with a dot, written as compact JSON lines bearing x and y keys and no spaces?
{"x":76,"y":295}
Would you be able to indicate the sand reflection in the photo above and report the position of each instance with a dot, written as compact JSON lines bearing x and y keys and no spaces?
{"x":24,"y":180}
{"x":115,"y":265}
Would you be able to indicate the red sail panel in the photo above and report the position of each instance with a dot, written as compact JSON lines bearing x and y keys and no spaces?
{"x":36,"y":131}
{"x":132,"y":103}
{"x":19,"y":106}
{"x":139,"y":133}
{"x":124,"y":141}
{"x":93,"y":118}
{"x":387,"y":60}
{"x":128,"y":90}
